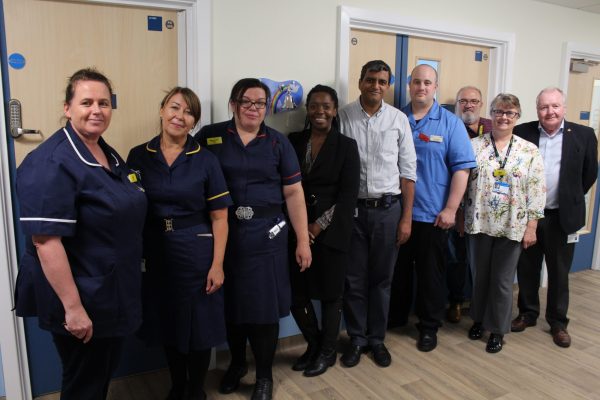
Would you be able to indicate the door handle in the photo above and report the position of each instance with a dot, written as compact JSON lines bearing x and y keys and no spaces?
{"x":16,"y":120}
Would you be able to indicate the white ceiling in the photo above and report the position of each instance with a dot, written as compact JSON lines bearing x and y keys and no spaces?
{"x":583,"y":5}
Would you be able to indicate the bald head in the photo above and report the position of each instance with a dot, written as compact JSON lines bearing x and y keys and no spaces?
{"x":422,"y":86}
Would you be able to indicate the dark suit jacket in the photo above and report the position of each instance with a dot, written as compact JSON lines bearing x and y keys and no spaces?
{"x":333,"y":179}
{"x":578,"y":169}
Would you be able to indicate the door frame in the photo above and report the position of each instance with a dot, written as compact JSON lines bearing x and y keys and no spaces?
{"x":580,"y":50}
{"x":195,"y":71}
{"x":502,"y":44}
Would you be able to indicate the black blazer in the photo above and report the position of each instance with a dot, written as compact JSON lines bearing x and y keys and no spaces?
{"x":333,"y":179}
{"x":578,"y":169}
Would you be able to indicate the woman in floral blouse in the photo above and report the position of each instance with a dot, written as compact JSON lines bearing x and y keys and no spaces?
{"x":505,"y":198}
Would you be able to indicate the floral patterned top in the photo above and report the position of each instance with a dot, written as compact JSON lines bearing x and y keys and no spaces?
{"x":501,"y":206}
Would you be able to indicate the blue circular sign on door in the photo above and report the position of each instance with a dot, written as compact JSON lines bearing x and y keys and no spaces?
{"x":16,"y":60}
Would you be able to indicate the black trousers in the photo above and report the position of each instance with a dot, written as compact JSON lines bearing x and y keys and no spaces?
{"x":456,"y":264}
{"x":552,"y":243}
{"x":87,"y":368}
{"x":422,"y":255}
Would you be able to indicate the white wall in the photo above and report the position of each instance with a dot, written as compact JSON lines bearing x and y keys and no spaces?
{"x":284,"y":39}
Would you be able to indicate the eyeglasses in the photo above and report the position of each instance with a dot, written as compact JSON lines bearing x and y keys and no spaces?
{"x":247,"y":103}
{"x":509,"y":114}
{"x":473,"y":102}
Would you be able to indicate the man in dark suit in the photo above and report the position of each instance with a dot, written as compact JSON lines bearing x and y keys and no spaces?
{"x":571,"y":167}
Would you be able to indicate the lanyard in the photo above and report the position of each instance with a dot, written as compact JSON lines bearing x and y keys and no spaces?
{"x":500,"y":171}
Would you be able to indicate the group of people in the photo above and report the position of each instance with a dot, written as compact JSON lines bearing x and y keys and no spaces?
{"x":187,"y":243}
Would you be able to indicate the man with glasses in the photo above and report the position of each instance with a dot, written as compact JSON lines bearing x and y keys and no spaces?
{"x":381,"y":222}
{"x":444,"y":158}
{"x":570,"y":158}
{"x":468,"y":107}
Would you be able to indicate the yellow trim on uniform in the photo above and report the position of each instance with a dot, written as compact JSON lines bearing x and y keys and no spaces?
{"x":217,"y":196}
{"x":193,"y":151}
{"x":149,"y":149}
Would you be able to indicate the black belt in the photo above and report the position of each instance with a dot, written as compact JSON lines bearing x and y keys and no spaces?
{"x":252,"y":212}
{"x":381,"y":202}
{"x":170,"y":224}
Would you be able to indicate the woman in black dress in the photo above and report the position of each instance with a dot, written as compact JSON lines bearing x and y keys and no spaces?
{"x":330,"y":177}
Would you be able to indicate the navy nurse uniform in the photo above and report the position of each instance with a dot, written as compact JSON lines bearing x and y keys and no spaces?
{"x":179,"y":244}
{"x":257,"y":286}
{"x":99,"y":214}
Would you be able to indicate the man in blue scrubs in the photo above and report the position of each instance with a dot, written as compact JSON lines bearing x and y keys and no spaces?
{"x":444,"y":158}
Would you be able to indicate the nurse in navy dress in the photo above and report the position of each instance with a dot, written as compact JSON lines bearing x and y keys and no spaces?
{"x":262,"y":173}
{"x":83,"y":211}
{"x":185,"y":237}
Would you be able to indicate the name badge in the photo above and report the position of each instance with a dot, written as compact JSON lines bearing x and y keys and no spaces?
{"x":501,"y":188}
{"x":214,"y":140}
{"x":573,"y":238}
{"x":436,"y":138}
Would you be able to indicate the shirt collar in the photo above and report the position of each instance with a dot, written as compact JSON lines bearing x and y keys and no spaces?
{"x":379,"y":111}
{"x":560,"y":130}
{"x":191,"y":145}
{"x":84,"y":154}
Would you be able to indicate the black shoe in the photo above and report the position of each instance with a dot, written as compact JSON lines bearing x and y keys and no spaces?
{"x":231,"y":379}
{"x":200,"y":396}
{"x":263,"y":389}
{"x":175,"y":394}
{"x":494,"y":344}
{"x":324,"y":360}
{"x":427,"y":341}
{"x":351,"y":357}
{"x":307,"y":358}
{"x":381,"y":355}
{"x":476,"y":331}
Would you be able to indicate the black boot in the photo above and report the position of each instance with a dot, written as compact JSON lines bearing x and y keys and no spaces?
{"x":325,"y":359}
{"x":307,"y":322}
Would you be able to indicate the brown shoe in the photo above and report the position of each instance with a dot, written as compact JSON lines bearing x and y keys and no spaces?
{"x":454,"y":313}
{"x":520,"y":323}
{"x":561,"y":337}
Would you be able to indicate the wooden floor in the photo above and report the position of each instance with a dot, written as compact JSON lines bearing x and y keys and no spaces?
{"x":529,"y":367}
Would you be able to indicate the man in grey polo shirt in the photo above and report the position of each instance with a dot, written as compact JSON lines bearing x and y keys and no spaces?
{"x":382,"y":223}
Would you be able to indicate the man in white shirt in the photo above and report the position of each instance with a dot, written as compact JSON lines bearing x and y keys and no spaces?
{"x":382,"y":223}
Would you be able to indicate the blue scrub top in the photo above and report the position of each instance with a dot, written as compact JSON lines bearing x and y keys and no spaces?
{"x":443,"y":147}
{"x":255,"y":173}
{"x":99,"y":213}
{"x":194,"y":183}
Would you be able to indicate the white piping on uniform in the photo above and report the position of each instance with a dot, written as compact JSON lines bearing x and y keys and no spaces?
{"x":67,"y":221}
{"x":116,"y":159}
{"x":77,"y":151}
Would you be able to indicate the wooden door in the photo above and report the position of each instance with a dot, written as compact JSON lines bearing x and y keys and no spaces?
{"x":458,"y":66}
{"x":55,"y":39}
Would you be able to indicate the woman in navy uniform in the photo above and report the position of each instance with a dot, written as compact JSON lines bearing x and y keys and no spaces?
{"x":185,"y":236}
{"x":83,"y":211}
{"x":262,"y":173}
{"x":330,"y":178}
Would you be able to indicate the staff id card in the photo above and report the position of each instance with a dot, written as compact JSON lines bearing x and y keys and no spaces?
{"x":501,"y":188}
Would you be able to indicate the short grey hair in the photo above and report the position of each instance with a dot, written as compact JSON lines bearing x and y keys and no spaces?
{"x":548,"y":90}
{"x":468,"y":87}
{"x":507,"y":100}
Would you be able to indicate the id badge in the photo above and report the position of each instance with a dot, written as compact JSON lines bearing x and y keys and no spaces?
{"x":573,"y":238}
{"x":501,"y":188}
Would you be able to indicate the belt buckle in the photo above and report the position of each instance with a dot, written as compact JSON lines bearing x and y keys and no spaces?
{"x":244,"y":212}
{"x":372,"y":203}
{"x":168,"y":224}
